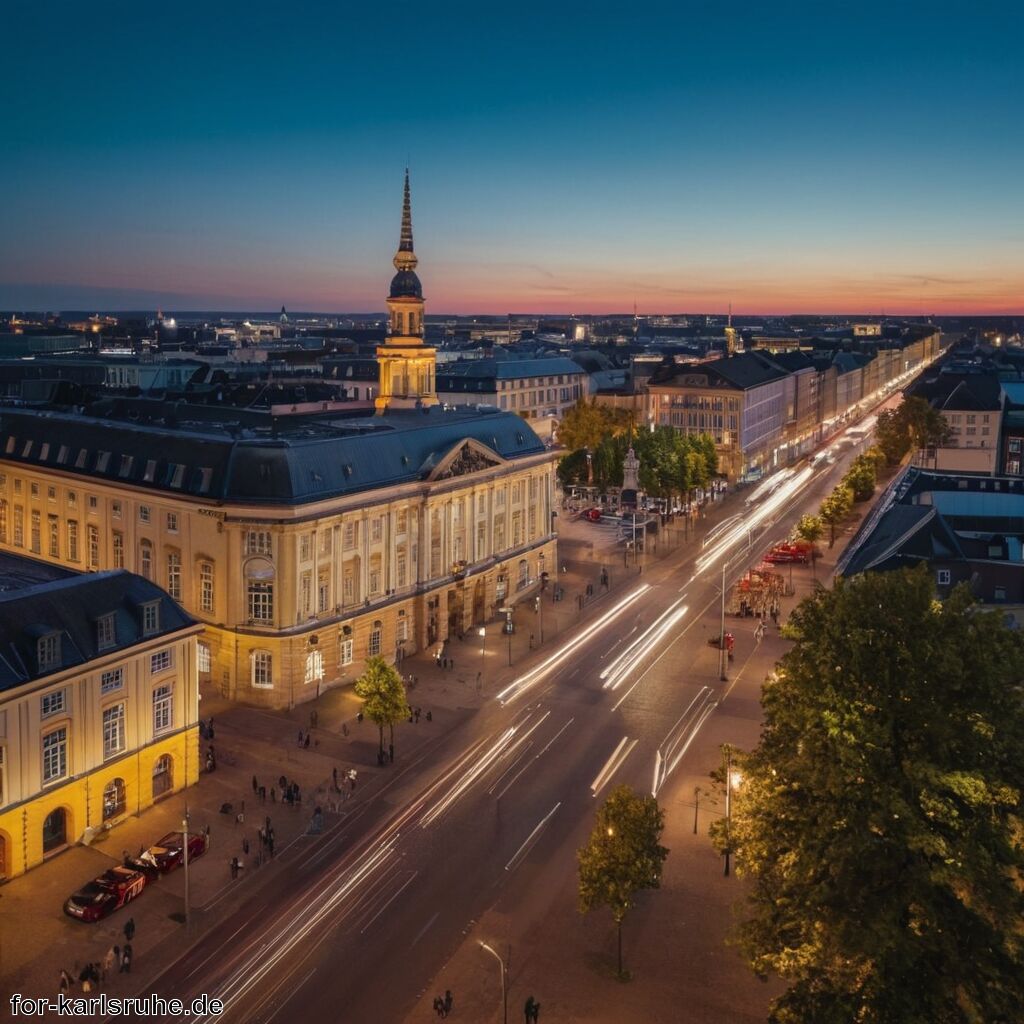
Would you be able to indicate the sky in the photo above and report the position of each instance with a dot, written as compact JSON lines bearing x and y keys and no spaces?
{"x":565,"y":157}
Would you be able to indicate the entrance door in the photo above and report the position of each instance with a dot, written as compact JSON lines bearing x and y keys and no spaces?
{"x":454,"y":613}
{"x":55,"y":830}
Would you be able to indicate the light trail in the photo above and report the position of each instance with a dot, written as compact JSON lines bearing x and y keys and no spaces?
{"x":531,"y":838}
{"x":619,"y":670}
{"x":678,"y":739}
{"x":613,"y":764}
{"x":534,"y":676}
{"x":783,"y":495}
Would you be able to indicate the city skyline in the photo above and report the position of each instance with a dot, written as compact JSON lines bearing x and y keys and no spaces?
{"x":811,"y":162}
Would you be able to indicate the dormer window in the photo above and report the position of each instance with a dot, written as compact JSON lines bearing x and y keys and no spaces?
{"x":106,"y":632}
{"x":150,"y":618}
{"x":102,"y":461}
{"x":150,"y":474}
{"x":127,"y":461}
{"x":48,"y":652}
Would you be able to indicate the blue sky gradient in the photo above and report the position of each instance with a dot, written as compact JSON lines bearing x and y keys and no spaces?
{"x":786,"y":157}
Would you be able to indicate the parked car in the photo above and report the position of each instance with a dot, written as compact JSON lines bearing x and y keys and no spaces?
{"x":168,"y":853}
{"x":105,"y":894}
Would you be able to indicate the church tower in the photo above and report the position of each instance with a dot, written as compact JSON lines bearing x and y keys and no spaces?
{"x":406,"y":365}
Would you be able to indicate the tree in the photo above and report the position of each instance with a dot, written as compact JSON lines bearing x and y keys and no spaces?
{"x":835,"y":508}
{"x":587,"y":424}
{"x":810,"y":528}
{"x":915,"y":424}
{"x":623,"y":855}
{"x":383,"y":694}
{"x":879,"y":815}
{"x":860,"y":478}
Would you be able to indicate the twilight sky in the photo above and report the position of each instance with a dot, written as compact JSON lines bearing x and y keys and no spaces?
{"x":566,"y":157}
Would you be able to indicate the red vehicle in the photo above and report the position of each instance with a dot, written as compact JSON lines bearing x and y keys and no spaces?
{"x":593,"y":514}
{"x":730,"y":642}
{"x":103,"y":895}
{"x":168,"y":853}
{"x":788,"y":553}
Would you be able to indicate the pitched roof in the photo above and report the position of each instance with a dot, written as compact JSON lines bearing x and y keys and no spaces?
{"x":743,"y":371}
{"x":33,"y":607}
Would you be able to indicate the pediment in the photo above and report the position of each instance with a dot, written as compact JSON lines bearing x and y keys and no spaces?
{"x":463,"y":458}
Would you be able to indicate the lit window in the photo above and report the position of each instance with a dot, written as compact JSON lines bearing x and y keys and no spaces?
{"x":55,"y":755}
{"x":163,"y":708}
{"x":261,"y":602}
{"x":345,"y":652}
{"x":402,"y":630}
{"x":257,"y":542}
{"x":72,"y":540}
{"x":161,"y":661}
{"x":203,"y":660}
{"x":53,"y":523}
{"x":113,"y":730}
{"x":376,"y":636}
{"x":262,"y":670}
{"x":174,"y":574}
{"x":314,"y":666}
{"x":94,"y":547}
{"x":943,"y":577}
{"x":206,"y":586}
{"x":118,"y":543}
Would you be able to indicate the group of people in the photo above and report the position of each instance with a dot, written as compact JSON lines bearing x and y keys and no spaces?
{"x":443,"y":1004}
{"x":304,"y":738}
{"x":95,"y":973}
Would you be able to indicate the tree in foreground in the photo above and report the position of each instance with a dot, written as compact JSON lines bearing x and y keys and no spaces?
{"x":880,"y":815}
{"x":834,"y":509}
{"x":623,"y":855}
{"x":383,"y":694}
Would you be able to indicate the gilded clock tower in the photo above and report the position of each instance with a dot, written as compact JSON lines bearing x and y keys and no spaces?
{"x":406,"y":365}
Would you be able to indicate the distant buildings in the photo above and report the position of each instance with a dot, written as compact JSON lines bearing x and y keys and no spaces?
{"x":98,"y":701}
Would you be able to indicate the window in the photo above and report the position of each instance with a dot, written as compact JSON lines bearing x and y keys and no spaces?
{"x":51,"y":492}
{"x":112,"y":680}
{"x":93,"y":540}
{"x":349,"y":535}
{"x":33,"y":489}
{"x":163,"y":707}
{"x":48,"y":651}
{"x":163,"y":775}
{"x":305,"y":593}
{"x":305,"y":547}
{"x":348,"y":587}
{"x":174,"y":574}
{"x":36,"y":544}
{"x":149,"y":473}
{"x":257,"y":542}
{"x":943,"y":577}
{"x":115,"y":509}
{"x":262,"y":670}
{"x":325,"y":542}
{"x":400,"y":569}
{"x":3,"y":521}
{"x":206,"y":586}
{"x":146,"y":559}
{"x":114,"y":800}
{"x":998,"y":594}
{"x":118,"y":545}
{"x":376,"y":528}
{"x":55,"y":755}
{"x":323,"y":592}
{"x":19,"y":526}
{"x":203,"y":660}
{"x":172,"y":522}
{"x":127,"y":461}
{"x":261,"y":602}
{"x":106,"y":633}
{"x":402,"y":522}
{"x":150,"y":617}
{"x":113,"y":730}
{"x":402,"y":629}
{"x":72,"y":540}
{"x":1014,"y":444}
{"x":376,"y":635}
{"x":52,"y":703}
{"x":144,"y":514}
{"x":161,"y":661}
{"x":375,"y":575}
{"x":93,"y":503}
{"x":53,"y":531}
{"x":345,"y":652}
{"x":314,"y":666}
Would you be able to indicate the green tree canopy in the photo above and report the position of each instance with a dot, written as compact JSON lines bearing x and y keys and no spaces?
{"x":914,"y":424}
{"x":810,"y":528}
{"x":587,"y":424}
{"x":835,"y":508}
{"x":880,"y":815}
{"x":860,"y":478}
{"x":623,"y":855}
{"x":383,"y":694}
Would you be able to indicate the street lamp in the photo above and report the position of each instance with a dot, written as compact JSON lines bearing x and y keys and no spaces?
{"x":733,"y":780}
{"x":483,"y":642}
{"x":504,"y":991}
{"x":184,"y":829}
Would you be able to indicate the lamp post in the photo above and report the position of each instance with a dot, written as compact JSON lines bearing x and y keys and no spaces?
{"x":723,"y":654}
{"x":733,"y":778}
{"x":184,"y":829}
{"x":504,"y":991}
{"x":483,"y":642}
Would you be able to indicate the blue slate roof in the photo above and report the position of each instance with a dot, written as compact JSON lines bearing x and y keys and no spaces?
{"x":505,"y":369}
{"x":34,"y":604}
{"x":166,"y":447}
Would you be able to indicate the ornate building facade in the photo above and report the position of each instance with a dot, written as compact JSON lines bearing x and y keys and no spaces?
{"x":303,"y":545}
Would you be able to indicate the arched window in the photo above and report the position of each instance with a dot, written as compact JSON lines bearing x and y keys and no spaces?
{"x":55,"y":829}
{"x":314,"y":666}
{"x":259,"y":578}
{"x":163,"y":776}
{"x":113,"y":799}
{"x":262,"y":670}
{"x":376,"y":638}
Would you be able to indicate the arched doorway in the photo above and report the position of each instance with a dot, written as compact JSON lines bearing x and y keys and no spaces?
{"x":55,"y":830}
{"x":163,"y":776}
{"x":114,"y":799}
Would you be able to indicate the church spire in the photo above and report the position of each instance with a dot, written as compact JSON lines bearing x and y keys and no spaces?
{"x":405,"y":258}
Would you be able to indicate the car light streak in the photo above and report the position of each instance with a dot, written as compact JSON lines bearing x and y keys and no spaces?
{"x":476,"y":770}
{"x":618,"y":671}
{"x":678,"y":739}
{"x":613,"y":764}
{"x":531,"y":838}
{"x":534,"y":676}
{"x":783,"y":495}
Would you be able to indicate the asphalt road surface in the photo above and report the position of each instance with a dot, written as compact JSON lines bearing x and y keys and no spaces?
{"x":366,"y":914}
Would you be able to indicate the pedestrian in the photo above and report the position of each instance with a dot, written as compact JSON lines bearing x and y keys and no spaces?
{"x":263,"y":794}
{"x":451,"y":664}
{"x":129,"y":929}
{"x":536,"y":1012}
{"x":85,"y":977}
{"x":300,"y":738}
{"x":447,"y":1001}
{"x":270,"y":843}
{"x":417,"y":714}
{"x":126,"y":959}
{"x":528,"y":1010}
{"x":234,"y":867}
{"x":110,"y":960}
{"x":334,"y":773}
{"x":245,"y":845}
{"x":306,"y":743}
{"x":438,"y":1006}
{"x":66,"y":981}
{"x":359,"y":717}
{"x":391,"y":752}
{"x":282,"y":782}
{"x":273,"y":795}
{"x":255,"y":785}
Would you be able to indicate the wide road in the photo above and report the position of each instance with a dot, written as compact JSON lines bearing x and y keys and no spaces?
{"x":366,"y":914}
